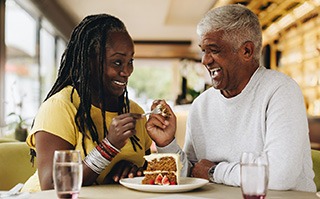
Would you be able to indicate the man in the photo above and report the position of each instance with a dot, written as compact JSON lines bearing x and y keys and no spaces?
{"x":249,"y":108}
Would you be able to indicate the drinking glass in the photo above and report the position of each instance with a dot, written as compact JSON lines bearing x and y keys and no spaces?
{"x":254,"y":172}
{"x":67,"y":173}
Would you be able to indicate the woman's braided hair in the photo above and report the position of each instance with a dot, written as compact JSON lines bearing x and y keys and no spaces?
{"x":88,"y":41}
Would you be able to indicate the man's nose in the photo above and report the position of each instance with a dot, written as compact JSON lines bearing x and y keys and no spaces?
{"x":206,"y":60}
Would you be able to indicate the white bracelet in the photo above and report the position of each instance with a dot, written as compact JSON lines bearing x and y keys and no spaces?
{"x":107,"y":141}
{"x":95,"y":161}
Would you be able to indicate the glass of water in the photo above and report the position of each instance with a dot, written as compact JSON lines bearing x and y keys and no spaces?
{"x":67,"y":173}
{"x":254,"y":169}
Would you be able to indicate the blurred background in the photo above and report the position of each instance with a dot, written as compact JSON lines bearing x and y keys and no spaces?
{"x":33,"y":36}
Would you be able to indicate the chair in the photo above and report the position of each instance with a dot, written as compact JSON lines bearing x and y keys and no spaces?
{"x":5,"y":139}
{"x":15,"y":165}
{"x":316,"y":167}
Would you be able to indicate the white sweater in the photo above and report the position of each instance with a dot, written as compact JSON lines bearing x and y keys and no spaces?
{"x":268,"y":115}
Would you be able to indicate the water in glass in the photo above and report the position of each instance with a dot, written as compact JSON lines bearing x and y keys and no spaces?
{"x":254,"y":175}
{"x":67,"y":173}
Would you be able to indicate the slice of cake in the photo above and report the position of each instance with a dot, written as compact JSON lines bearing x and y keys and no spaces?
{"x":162,"y":169}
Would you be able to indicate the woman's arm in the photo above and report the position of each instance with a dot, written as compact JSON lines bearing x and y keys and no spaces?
{"x":46,"y":144}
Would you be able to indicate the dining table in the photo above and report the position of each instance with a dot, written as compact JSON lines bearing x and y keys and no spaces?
{"x":209,"y":190}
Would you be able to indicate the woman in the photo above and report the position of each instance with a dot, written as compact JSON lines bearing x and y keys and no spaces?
{"x":88,"y":108}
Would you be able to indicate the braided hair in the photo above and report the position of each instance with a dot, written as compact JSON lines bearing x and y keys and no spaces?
{"x":89,"y":41}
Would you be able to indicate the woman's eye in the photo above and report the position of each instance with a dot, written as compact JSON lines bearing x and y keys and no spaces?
{"x":131,"y":61}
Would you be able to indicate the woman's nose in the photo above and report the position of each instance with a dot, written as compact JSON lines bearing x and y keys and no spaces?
{"x":126,"y":71}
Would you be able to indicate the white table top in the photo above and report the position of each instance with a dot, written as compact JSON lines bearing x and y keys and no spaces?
{"x":210,"y":190}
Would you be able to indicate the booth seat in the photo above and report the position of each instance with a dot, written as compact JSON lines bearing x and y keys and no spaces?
{"x":316,"y":167}
{"x":15,"y":165}
{"x":7,"y":139}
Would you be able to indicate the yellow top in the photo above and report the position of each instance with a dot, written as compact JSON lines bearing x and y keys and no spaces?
{"x":56,"y":116}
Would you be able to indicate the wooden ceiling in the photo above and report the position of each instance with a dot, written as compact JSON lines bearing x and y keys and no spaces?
{"x":173,"y":35}
{"x":278,"y":15}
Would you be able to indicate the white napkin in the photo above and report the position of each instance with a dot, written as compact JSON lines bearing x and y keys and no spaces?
{"x":20,"y":195}
{"x":14,"y":192}
{"x":177,"y":196}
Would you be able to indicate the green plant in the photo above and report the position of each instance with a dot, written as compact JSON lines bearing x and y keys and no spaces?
{"x":15,"y":120}
{"x":19,"y":125}
{"x":18,"y":122}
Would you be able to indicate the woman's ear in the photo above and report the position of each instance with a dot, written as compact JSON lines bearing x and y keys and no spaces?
{"x":247,"y":50}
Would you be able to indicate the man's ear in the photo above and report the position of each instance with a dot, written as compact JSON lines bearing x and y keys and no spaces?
{"x":247,"y":50}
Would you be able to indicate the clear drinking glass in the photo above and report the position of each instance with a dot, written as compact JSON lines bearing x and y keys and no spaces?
{"x":67,"y":173}
{"x":254,"y":169}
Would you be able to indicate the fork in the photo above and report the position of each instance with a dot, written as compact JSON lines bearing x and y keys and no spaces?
{"x":156,"y":110}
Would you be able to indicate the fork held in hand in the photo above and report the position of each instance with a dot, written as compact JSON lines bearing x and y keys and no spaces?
{"x":156,"y":110}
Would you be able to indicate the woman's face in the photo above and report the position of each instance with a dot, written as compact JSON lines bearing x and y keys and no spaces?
{"x":118,"y":64}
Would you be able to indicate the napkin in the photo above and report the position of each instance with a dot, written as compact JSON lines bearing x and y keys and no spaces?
{"x":179,"y":196}
{"x":20,"y":195}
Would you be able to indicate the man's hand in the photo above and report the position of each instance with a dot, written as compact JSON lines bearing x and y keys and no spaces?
{"x":201,"y":168}
{"x":161,"y":129}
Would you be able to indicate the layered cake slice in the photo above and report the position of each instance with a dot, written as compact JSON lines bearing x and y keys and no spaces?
{"x":162,"y":169}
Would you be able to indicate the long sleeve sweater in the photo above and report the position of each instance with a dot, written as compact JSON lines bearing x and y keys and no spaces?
{"x":268,"y":115}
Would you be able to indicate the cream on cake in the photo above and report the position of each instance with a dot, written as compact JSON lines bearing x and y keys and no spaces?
{"x":162,"y":169}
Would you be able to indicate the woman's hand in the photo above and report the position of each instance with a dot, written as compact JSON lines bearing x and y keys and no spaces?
{"x":161,"y":129}
{"x":122,"y":127}
{"x":123,"y":169}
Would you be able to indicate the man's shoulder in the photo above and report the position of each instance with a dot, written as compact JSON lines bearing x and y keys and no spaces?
{"x":274,"y":77}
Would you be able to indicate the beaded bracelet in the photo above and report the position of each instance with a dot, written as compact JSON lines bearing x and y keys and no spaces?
{"x":104,"y":153}
{"x":109,"y":148}
{"x":110,"y":145}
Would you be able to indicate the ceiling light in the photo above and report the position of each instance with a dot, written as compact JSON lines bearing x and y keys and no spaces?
{"x":316,"y":2}
{"x":303,"y":9}
{"x":273,"y":29}
{"x":286,"y":20}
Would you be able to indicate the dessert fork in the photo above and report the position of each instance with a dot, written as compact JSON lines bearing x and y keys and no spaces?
{"x":156,"y":110}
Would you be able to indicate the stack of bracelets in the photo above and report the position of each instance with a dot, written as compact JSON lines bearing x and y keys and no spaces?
{"x":101,"y":156}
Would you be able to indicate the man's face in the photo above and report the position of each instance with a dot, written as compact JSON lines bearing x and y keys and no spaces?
{"x":223,"y":62}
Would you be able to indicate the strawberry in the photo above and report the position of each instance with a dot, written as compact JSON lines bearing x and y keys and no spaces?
{"x":158,"y":179}
{"x":165,"y":180}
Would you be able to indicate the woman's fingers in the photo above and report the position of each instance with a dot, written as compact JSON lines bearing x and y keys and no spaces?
{"x":122,"y":127}
{"x":124,"y":169}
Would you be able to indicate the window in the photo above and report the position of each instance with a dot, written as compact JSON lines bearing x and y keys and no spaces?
{"x":21,"y":66}
{"x":47,"y":61}
{"x":33,"y":52}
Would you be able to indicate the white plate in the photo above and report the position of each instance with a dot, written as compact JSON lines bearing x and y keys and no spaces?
{"x":318,"y":194}
{"x":186,"y":184}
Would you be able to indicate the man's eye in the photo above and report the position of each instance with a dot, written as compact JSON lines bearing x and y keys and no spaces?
{"x":117,"y":63}
{"x":131,"y":61}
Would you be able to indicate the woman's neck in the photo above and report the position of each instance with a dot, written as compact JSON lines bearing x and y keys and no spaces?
{"x":111,"y":104}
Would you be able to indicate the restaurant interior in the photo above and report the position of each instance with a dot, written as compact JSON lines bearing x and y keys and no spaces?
{"x":34,"y":33}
